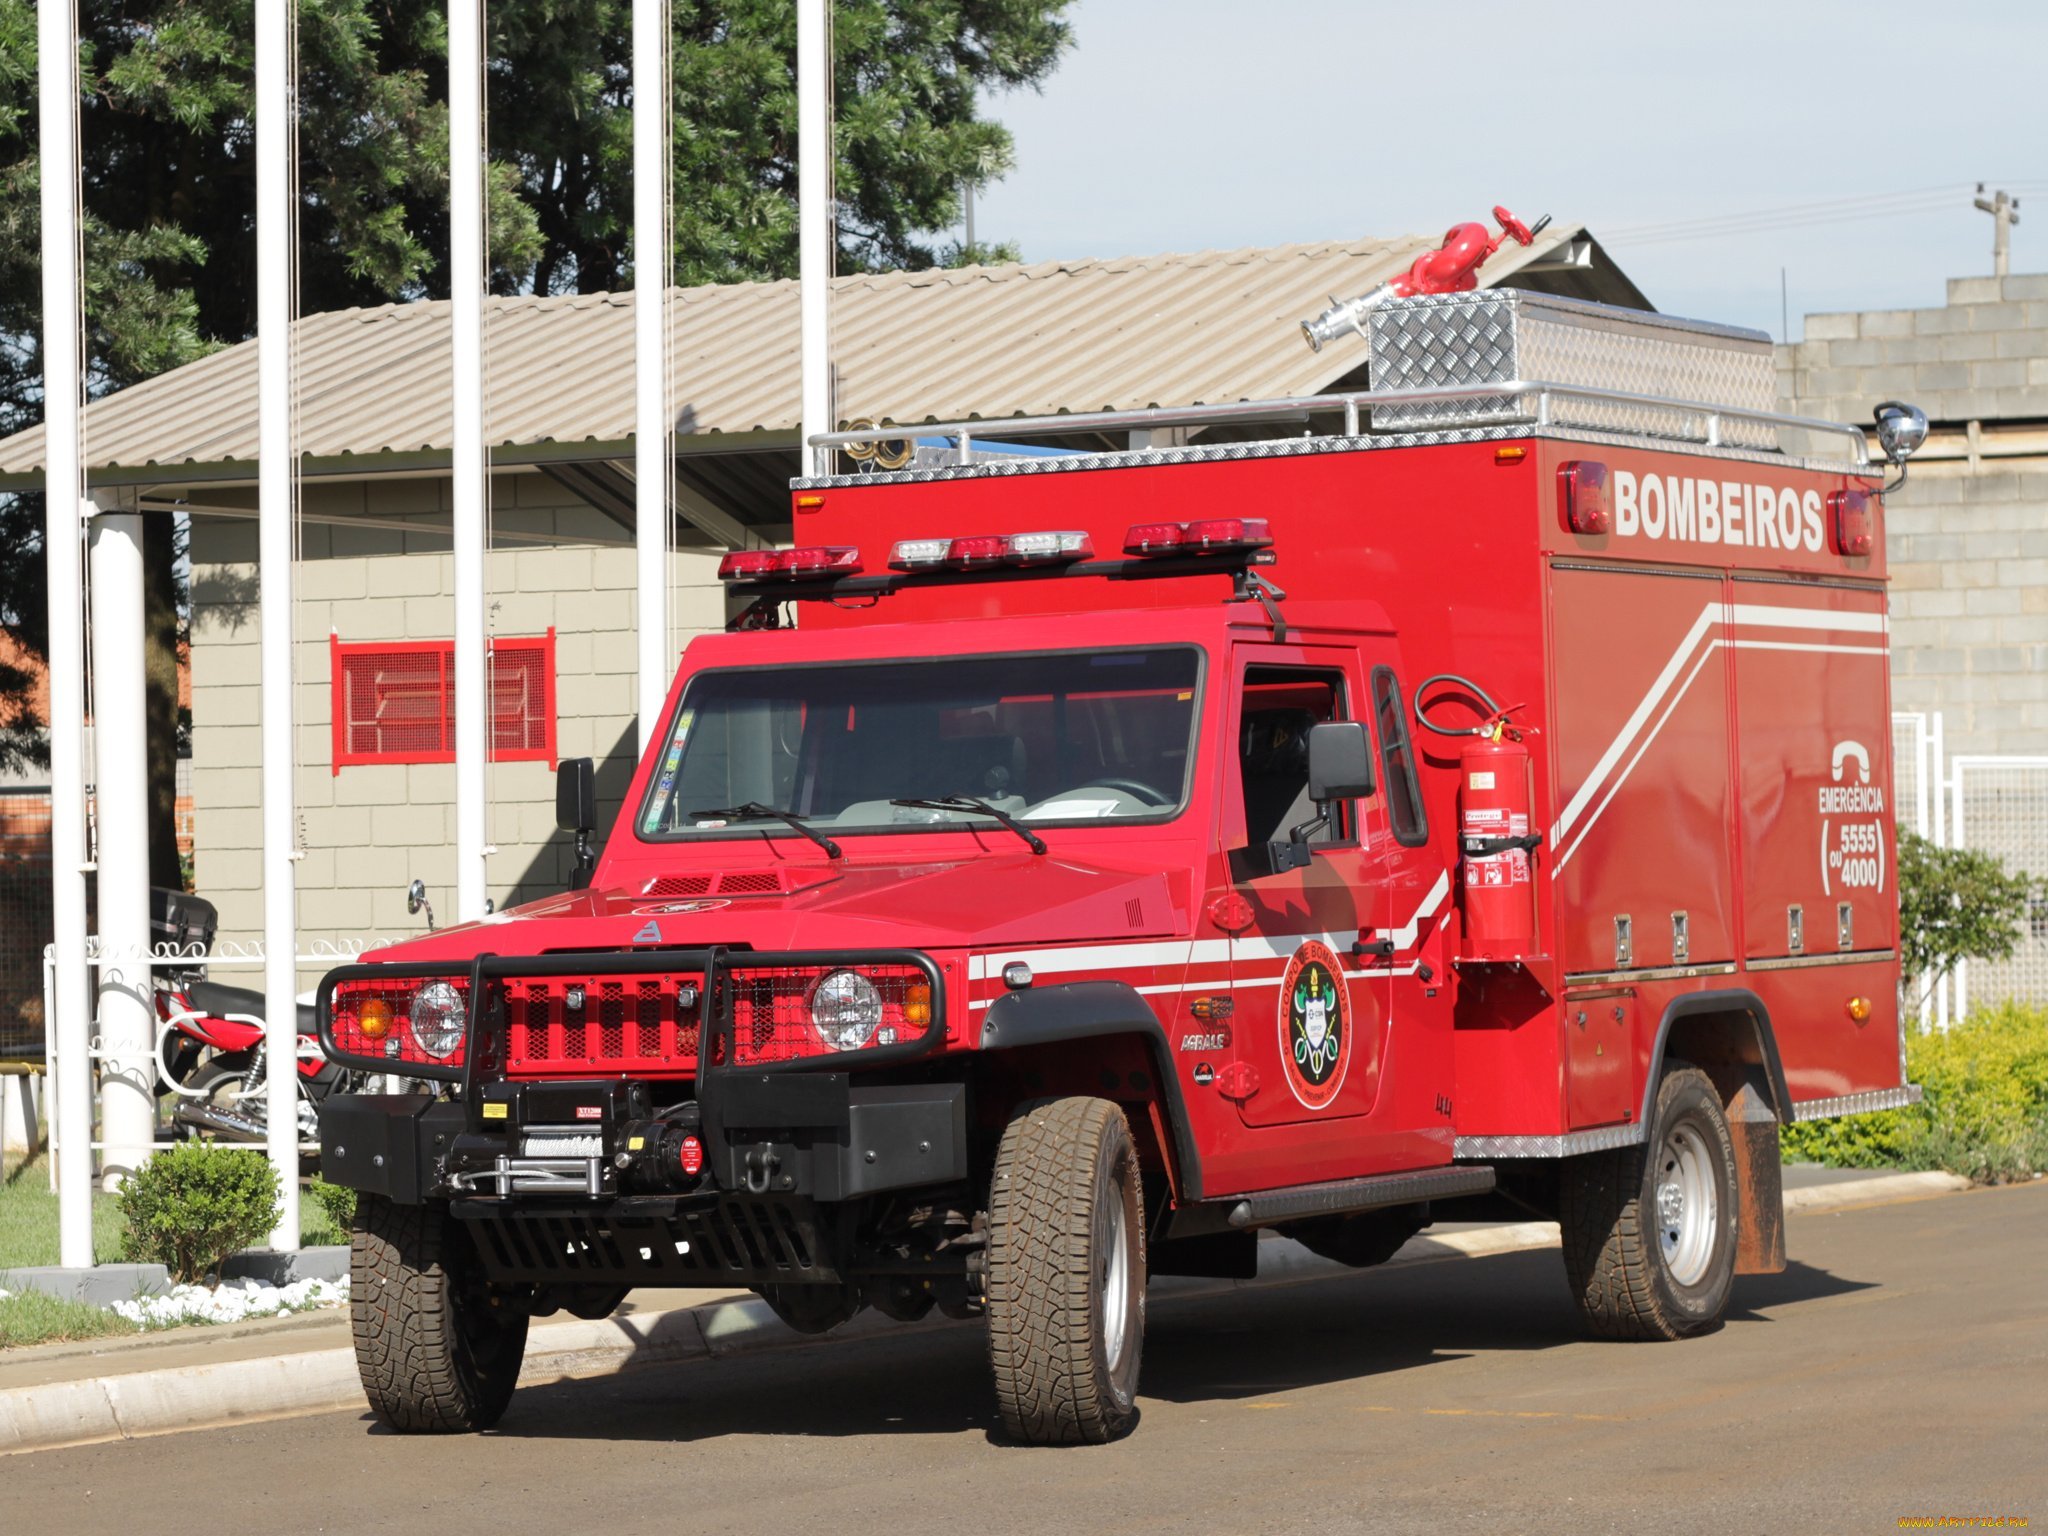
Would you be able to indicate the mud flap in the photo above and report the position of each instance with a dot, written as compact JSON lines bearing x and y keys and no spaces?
{"x":1760,"y":1184}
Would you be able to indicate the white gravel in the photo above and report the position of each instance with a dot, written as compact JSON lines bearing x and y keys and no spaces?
{"x":232,"y":1302}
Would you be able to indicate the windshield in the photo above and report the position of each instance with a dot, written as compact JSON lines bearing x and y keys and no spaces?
{"x":1080,"y":736}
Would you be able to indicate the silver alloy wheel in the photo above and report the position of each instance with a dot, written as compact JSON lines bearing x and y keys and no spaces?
{"x":1688,"y":1205}
{"x":1116,"y":1282}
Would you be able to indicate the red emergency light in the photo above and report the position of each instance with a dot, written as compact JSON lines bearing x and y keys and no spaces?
{"x":1854,"y":520}
{"x":804,"y":563}
{"x":1210,"y":536}
{"x":986,"y":551}
{"x":1583,"y":496}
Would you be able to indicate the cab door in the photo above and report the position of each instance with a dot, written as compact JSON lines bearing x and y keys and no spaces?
{"x":1311,"y":1016}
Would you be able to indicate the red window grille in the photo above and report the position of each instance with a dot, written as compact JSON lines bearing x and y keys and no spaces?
{"x":395,"y":703}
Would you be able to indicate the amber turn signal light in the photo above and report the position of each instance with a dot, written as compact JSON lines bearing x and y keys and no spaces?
{"x":374,"y":1018}
{"x":1859,"y":1009}
{"x":917,"y":1005}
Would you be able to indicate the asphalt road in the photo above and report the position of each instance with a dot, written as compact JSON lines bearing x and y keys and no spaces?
{"x":1899,"y":1368}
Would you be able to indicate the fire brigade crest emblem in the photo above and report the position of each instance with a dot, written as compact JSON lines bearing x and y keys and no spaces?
{"x":1315,"y":1025}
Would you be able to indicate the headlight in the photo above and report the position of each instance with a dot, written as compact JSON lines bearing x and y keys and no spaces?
{"x":845,"y":1008}
{"x":437,"y":1019}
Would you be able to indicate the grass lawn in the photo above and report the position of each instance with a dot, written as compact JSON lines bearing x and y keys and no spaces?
{"x":28,"y":1236}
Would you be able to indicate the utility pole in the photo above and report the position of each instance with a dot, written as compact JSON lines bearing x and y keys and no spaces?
{"x":2005,"y":212}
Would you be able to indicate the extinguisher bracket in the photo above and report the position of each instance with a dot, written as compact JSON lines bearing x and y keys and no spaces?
{"x":1488,"y":847}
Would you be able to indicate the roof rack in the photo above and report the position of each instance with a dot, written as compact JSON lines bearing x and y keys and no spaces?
{"x":1540,"y":398}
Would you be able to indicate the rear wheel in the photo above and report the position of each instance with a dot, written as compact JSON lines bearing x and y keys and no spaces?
{"x":438,"y":1348}
{"x":1066,"y":1274}
{"x":1649,"y":1230}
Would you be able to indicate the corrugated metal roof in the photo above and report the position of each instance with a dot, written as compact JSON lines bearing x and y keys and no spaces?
{"x":948,"y":344}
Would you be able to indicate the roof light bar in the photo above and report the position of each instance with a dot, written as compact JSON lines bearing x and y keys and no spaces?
{"x":986,"y":551}
{"x":1213,"y":535}
{"x":804,"y":563}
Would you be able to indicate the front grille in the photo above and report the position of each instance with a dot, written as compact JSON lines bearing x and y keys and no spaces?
{"x":624,"y":1024}
{"x":735,"y":1240}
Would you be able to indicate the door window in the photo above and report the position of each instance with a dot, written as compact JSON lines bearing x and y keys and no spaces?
{"x":1280,"y":706}
{"x":1397,"y":759}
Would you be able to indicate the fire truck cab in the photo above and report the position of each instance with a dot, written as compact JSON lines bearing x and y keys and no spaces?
{"x":1068,"y":868}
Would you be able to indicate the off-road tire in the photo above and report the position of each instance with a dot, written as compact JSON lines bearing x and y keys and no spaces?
{"x":1609,"y":1214}
{"x":1065,"y":1373}
{"x":435,"y":1354}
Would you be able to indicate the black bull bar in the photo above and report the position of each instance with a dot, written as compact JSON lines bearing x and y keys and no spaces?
{"x":485,"y":1022}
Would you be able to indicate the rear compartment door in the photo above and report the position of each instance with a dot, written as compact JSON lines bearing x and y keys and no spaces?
{"x":1814,"y":737}
{"x":1641,"y":848}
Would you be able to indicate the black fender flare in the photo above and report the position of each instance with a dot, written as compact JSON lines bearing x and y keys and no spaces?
{"x":1082,"y":1010}
{"x":1724,"y":1000}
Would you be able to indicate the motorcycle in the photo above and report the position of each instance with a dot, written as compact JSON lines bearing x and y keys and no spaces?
{"x":212,"y":1050}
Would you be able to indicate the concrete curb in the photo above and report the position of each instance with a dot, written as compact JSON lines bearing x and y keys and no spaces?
{"x":156,"y":1402}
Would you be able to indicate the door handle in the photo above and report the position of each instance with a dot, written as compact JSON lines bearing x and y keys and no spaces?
{"x":1381,"y":947}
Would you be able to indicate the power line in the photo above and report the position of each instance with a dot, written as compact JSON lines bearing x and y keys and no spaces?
{"x":1880,"y":205}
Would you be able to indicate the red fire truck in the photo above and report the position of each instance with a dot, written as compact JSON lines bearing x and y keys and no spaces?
{"x":1473,"y":792}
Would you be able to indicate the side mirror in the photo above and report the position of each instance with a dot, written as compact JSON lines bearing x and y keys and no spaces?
{"x":576,"y":795}
{"x":576,"y":811}
{"x":416,"y":902}
{"x":1339,"y":761}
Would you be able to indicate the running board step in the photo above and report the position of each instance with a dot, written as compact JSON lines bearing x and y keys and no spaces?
{"x":1349,"y":1196}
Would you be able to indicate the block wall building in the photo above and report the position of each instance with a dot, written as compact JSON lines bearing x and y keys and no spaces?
{"x":1968,"y":532}
{"x":369,"y":826}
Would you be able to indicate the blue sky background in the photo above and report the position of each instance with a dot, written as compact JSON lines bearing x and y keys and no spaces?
{"x":1180,"y":125}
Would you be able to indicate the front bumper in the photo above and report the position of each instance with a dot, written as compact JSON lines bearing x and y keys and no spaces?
{"x":815,"y":1136}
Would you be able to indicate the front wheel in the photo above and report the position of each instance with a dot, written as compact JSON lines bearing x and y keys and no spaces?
{"x":1649,"y":1230}
{"x":1066,"y":1274}
{"x":438,"y":1348}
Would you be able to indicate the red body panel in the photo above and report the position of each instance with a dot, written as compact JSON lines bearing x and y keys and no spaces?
{"x":1687,"y":689}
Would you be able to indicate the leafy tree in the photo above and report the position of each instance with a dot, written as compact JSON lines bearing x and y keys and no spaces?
{"x":1956,"y":904}
{"x":168,"y":148}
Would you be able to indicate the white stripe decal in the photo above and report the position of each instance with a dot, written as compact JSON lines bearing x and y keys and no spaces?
{"x":1755,"y":615}
{"x":1740,"y":645}
{"x":1635,"y":722}
{"x":1120,"y":957}
{"x":1234,"y":984}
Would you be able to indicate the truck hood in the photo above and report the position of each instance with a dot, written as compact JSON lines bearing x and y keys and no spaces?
{"x":986,"y":901}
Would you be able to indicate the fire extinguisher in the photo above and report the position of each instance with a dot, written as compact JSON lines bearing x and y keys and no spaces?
{"x":1496,"y":803}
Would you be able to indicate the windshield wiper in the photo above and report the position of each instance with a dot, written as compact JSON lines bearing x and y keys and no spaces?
{"x":982,"y":807}
{"x":753,"y":810}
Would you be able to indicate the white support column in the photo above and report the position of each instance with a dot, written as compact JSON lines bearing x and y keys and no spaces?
{"x":71,"y":1114}
{"x":276,"y":100}
{"x":120,"y":697}
{"x":650,"y":325}
{"x":816,"y":234}
{"x":466,"y":278}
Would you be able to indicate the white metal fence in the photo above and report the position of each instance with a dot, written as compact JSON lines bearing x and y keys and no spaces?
{"x":1994,"y":805}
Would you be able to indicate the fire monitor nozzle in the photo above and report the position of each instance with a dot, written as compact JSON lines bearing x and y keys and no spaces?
{"x":1452,"y":267}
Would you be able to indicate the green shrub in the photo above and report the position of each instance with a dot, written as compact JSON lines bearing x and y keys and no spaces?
{"x":191,"y":1206}
{"x":1984,"y":1114}
{"x":337,"y":1202}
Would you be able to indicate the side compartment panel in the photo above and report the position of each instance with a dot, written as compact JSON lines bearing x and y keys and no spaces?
{"x":1816,"y":774}
{"x":1642,"y":764}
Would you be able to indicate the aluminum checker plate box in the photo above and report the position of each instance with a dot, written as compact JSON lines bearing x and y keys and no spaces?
{"x":1501,"y":334}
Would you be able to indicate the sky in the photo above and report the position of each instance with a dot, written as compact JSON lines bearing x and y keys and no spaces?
{"x":1184,"y":125}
